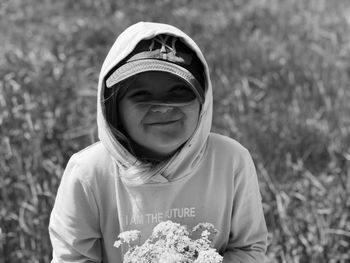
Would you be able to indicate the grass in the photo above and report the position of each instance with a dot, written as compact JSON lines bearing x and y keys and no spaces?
{"x":280,"y":71}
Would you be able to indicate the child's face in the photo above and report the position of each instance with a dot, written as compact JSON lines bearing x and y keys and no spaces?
{"x":158,"y":129}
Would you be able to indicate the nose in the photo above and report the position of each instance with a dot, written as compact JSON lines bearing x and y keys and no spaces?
{"x":161,"y":108}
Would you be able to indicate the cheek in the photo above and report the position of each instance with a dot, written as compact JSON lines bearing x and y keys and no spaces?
{"x":192,"y":114}
{"x":130,"y":115}
{"x":193,"y":110}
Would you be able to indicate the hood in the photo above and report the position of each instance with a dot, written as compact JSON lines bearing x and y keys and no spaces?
{"x":189,"y":156}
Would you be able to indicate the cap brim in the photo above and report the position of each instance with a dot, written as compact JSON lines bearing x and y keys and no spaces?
{"x":139,"y":66}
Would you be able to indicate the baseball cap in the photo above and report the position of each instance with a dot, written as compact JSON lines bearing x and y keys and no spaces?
{"x":163,"y":53}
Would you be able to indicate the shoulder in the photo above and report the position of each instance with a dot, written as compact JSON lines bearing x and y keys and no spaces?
{"x":226,"y":145}
{"x":93,"y":153}
{"x":227,"y":151}
{"x":91,"y":162}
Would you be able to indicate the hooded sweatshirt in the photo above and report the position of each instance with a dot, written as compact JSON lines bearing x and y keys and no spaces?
{"x":211,"y":178}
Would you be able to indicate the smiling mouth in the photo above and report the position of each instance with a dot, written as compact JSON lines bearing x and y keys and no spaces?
{"x":163,"y":123}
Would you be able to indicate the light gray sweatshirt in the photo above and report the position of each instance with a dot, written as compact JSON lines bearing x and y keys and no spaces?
{"x":212,"y":179}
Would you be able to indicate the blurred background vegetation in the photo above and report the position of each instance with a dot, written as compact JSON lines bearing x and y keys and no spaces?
{"x":280,"y":72}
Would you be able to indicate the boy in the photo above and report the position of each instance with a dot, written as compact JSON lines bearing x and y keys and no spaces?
{"x":156,"y":159}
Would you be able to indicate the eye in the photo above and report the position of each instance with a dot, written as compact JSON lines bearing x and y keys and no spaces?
{"x":139,"y":94}
{"x":183,"y":92}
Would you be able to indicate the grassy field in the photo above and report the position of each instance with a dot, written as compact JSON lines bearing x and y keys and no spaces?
{"x":280,"y":71}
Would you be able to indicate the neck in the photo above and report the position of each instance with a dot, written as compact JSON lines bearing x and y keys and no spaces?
{"x":150,"y":156}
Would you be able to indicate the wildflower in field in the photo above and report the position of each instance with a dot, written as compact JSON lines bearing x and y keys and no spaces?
{"x":171,"y":243}
{"x":208,"y":256}
{"x":127,"y":237}
{"x":172,"y":257}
